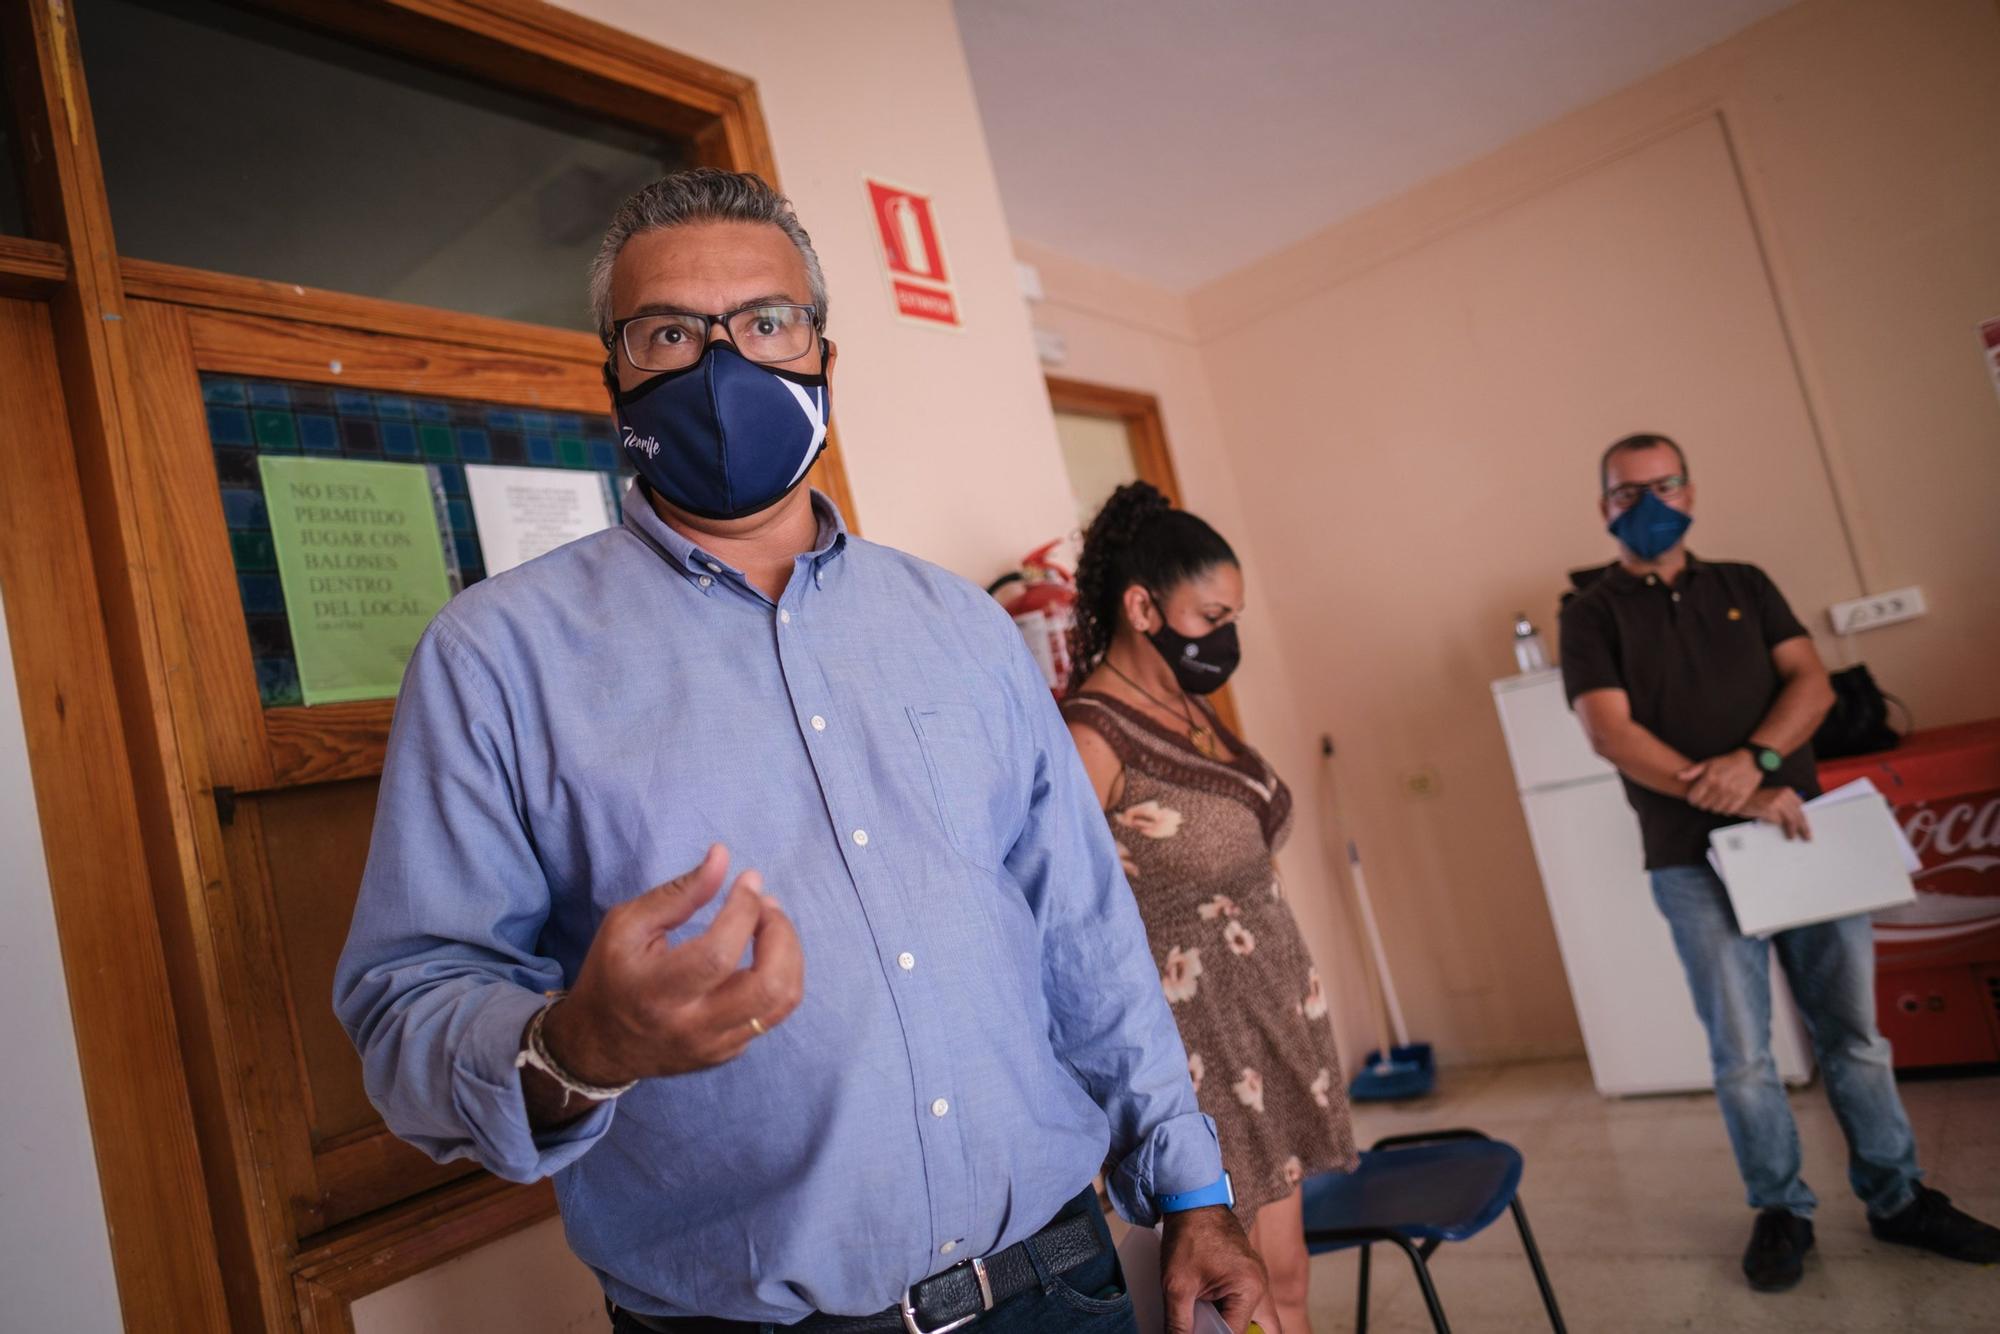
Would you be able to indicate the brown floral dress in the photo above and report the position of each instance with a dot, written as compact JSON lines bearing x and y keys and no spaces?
{"x":1196,"y":836}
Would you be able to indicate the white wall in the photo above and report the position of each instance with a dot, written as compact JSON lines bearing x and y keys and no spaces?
{"x":55,"y":1252}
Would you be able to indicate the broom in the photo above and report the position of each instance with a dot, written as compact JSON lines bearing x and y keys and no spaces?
{"x":1398,"y":1069}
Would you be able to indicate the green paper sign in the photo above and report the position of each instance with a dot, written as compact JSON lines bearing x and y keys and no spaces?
{"x":362,"y":565}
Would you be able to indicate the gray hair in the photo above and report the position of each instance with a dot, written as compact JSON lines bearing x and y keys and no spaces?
{"x":700,"y":194}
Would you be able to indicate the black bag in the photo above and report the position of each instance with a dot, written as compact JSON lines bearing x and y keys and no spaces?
{"x":1858,"y":723}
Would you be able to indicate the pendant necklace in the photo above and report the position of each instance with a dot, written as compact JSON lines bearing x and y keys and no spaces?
{"x":1200,"y":737}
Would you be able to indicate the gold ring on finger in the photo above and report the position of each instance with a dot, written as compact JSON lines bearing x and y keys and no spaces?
{"x":757,"y":1027}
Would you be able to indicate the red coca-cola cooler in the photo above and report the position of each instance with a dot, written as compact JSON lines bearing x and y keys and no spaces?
{"x":1937,"y":961}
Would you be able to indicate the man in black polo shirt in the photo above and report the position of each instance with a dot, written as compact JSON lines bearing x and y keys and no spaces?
{"x":1695,"y":679}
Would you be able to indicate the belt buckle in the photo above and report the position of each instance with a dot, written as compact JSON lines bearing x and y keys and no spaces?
{"x":908,"y":1307}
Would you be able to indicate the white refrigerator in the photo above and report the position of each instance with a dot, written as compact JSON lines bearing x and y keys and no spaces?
{"x":1639,"y":1025}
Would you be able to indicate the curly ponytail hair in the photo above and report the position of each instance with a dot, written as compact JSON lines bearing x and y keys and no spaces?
{"x":1137,"y":538}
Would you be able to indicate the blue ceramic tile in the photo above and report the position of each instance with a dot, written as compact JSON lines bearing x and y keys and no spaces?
{"x":269,"y":394}
{"x":568,"y":423}
{"x":392,"y":405}
{"x":458,"y":514}
{"x":541,"y":449}
{"x":452,"y":477}
{"x":536,"y":421}
{"x":278,"y":682}
{"x":229,"y":426}
{"x":432,"y":410}
{"x":242,"y":508}
{"x":503,"y":419}
{"x":472,"y":445}
{"x":263,"y":595}
{"x":318,"y":434}
{"x":353,"y":403}
{"x":469,"y":555}
{"x":399,"y":440}
{"x":215,"y":389}
{"x":602,"y":456}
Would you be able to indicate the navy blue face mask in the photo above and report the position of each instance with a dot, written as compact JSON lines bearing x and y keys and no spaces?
{"x":1650,"y":528}
{"x":725,"y":437}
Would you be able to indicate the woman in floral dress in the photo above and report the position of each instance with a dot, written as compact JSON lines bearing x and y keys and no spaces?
{"x":1198,"y":816}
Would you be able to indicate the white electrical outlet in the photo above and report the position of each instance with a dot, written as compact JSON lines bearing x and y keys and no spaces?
{"x":1876,"y":609}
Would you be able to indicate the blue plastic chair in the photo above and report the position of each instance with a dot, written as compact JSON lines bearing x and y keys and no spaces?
{"x":1417,"y":1192}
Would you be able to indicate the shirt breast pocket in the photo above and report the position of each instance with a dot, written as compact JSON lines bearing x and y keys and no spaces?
{"x":973,"y":780}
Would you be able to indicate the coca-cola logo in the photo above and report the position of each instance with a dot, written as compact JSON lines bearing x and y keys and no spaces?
{"x":1962,"y":835}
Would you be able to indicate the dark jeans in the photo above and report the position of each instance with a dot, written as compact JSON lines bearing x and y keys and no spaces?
{"x":1089,"y":1299}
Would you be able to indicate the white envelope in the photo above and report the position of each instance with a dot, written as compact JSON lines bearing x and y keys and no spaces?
{"x":1857,"y":861}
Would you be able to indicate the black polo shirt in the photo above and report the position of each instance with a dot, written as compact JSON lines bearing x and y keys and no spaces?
{"x":1694,"y":657}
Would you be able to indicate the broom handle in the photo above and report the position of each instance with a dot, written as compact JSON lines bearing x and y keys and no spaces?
{"x":1382,"y":975}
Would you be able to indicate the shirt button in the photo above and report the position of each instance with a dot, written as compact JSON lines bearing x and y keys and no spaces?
{"x":713,"y":568}
{"x":819,"y":579}
{"x":940,"y":1107}
{"x":704,"y":581}
{"x":906,"y":961}
{"x":861,"y":838}
{"x":819,"y":723}
{"x":784,"y":618}
{"x":948,"y":1248}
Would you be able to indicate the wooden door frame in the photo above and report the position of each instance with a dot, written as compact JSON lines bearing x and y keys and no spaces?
{"x":1143,"y":425}
{"x":1147,"y":432}
{"x":182,"y":1153}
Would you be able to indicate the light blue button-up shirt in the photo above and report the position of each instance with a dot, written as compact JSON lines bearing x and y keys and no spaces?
{"x":982,"y":1022}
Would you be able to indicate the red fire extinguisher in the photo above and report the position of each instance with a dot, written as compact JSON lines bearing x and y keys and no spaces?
{"x":1041,"y":597}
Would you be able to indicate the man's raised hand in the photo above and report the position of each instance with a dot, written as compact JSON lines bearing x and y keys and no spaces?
{"x":642,"y":1007}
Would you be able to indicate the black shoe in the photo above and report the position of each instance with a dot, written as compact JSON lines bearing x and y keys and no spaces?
{"x":1930,"y":1223}
{"x":1776,"y":1260}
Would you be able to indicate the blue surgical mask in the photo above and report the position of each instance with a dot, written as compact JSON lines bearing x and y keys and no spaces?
{"x":1650,"y":528}
{"x":725,"y":437}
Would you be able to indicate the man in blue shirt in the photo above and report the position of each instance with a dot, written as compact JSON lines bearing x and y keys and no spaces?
{"x":867,"y":1087}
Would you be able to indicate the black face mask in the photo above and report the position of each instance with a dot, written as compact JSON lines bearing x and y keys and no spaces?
{"x":1200,"y":665}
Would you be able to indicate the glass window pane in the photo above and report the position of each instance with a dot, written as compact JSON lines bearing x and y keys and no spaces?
{"x":248,"y":417}
{"x":242,"y":144}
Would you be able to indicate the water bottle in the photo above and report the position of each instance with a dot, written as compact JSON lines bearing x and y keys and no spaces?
{"x":1529,"y":655}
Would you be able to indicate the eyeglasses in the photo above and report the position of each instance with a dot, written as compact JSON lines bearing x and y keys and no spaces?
{"x":1628,"y":494}
{"x":675,"y":340}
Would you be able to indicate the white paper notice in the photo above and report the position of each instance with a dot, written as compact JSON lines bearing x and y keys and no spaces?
{"x":523,"y":512}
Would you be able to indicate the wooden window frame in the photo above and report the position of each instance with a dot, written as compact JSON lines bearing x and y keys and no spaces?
{"x":1145,"y":428}
{"x":196,"y":1163}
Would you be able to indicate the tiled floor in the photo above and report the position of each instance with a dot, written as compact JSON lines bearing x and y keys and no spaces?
{"x":1640,"y":1216}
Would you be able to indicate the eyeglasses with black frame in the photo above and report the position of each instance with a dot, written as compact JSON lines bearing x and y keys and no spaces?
{"x":1627,"y":495}
{"x":674,"y":340}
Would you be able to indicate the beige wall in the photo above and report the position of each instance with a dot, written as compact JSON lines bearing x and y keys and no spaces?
{"x":948,"y":437}
{"x":1130,"y":335}
{"x":1776,"y":251}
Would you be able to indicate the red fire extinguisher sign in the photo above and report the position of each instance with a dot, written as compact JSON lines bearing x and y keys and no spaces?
{"x":919,"y":282}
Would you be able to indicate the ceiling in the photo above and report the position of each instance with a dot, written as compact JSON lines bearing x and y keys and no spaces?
{"x":1177,"y":140}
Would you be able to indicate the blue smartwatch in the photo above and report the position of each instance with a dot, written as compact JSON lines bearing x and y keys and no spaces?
{"x":1216,"y":1192}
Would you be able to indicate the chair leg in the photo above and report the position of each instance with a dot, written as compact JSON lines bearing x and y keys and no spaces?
{"x":1438,"y":1322}
{"x":1361,"y":1292}
{"x":1535,"y":1259}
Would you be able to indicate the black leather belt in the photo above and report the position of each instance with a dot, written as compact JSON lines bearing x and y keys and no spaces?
{"x":950,"y":1299}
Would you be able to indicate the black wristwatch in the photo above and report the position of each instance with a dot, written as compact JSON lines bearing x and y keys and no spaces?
{"x":1768,"y":760}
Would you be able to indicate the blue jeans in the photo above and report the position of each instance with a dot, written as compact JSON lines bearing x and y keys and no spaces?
{"x":1831,"y":967}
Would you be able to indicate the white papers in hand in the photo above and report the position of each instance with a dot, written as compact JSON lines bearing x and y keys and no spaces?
{"x":1857,"y":861}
